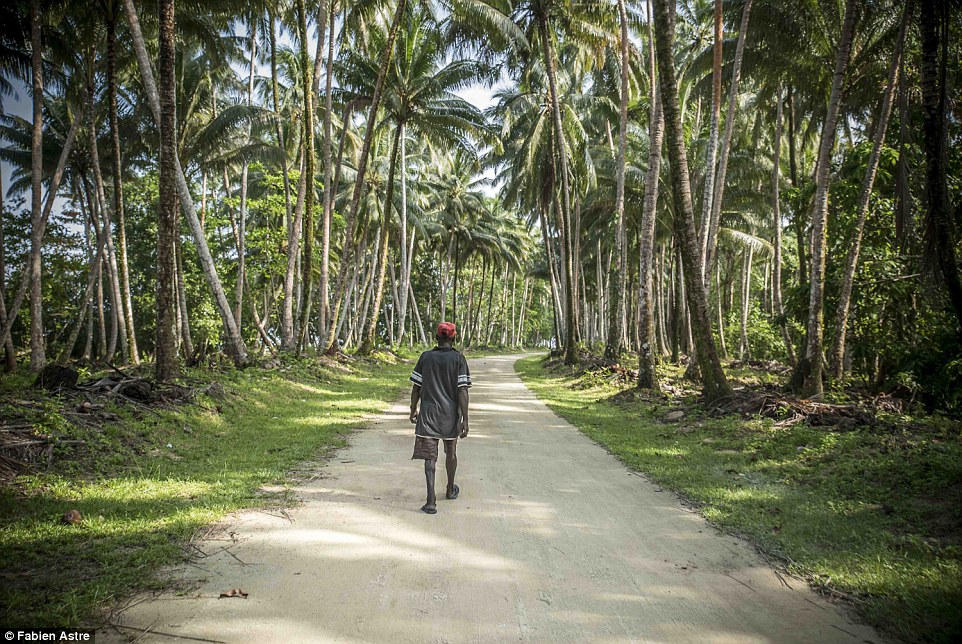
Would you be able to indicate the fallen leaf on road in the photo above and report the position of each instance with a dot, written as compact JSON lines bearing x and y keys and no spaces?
{"x":234,"y":592}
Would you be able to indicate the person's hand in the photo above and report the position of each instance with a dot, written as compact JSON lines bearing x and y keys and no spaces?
{"x":463,"y":428}
{"x":414,"y":416}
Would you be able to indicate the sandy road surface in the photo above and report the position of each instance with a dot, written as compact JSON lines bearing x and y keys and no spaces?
{"x":551,"y":540}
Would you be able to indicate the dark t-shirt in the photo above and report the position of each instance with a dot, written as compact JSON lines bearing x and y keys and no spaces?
{"x":440,"y":372}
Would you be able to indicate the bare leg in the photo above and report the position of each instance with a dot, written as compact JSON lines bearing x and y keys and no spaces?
{"x":451,"y":465}
{"x":431,"y":505}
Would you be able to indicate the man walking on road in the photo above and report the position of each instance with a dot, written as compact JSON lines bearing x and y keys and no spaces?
{"x":441,"y":381}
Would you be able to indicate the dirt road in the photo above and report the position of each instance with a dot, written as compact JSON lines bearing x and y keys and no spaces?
{"x":552,"y":540}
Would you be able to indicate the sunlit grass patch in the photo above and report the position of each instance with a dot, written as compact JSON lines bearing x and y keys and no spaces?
{"x":872,"y":515}
{"x":145,"y":484}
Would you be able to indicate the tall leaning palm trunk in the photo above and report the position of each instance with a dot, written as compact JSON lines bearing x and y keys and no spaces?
{"x":347,"y":252}
{"x":713,"y":377}
{"x":368,"y":341}
{"x":38,"y":356}
{"x":324,"y":305}
{"x":647,"y":376}
{"x":718,"y":192}
{"x":118,"y":194}
{"x":235,"y":343}
{"x":715,"y":124}
{"x":242,"y":216}
{"x":564,"y":212}
{"x":10,"y":354}
{"x":309,"y":89}
{"x":616,"y":314}
{"x":837,"y":355}
{"x":810,"y":369}
{"x":166,"y":361}
{"x":934,"y":27}
{"x":777,"y":237}
{"x":118,"y":328}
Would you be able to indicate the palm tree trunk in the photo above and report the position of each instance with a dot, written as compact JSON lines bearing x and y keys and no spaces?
{"x":272,"y":39}
{"x":288,"y":312}
{"x":10,"y":354}
{"x":242,"y":217}
{"x":38,"y":355}
{"x":118,"y":325}
{"x":183,"y":314}
{"x":836,"y":357}
{"x":810,"y":368}
{"x":324,"y":306}
{"x":93,"y":269}
{"x":571,"y":354}
{"x":167,"y":364}
{"x":777,"y":228}
{"x":647,"y":359}
{"x":719,"y":184}
{"x":405,"y":251}
{"x":711,"y":159}
{"x":95,"y":224}
{"x":713,"y":377}
{"x":347,"y":250}
{"x":721,"y":316}
{"x":934,"y":25}
{"x":367,"y":345}
{"x":235,"y":343}
{"x":118,"y":196}
{"x":616,"y":314}
{"x":307,"y":262}
{"x":744,"y":350}
{"x":554,"y":280}
{"x":457,"y":280}
{"x":797,"y":223}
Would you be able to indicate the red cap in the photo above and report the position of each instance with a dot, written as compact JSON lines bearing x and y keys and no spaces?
{"x":447,"y":330}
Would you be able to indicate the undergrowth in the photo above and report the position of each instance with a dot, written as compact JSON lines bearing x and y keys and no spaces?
{"x":147,"y":481}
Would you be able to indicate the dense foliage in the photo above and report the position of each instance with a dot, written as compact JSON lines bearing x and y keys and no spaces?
{"x":548,"y":218}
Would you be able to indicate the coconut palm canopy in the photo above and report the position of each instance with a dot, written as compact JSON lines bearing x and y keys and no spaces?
{"x":694,"y":179}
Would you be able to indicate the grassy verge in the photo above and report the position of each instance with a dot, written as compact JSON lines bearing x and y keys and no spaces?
{"x":147,"y":482}
{"x":868,"y":515}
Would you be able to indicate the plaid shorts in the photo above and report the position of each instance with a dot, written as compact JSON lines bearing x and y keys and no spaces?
{"x":426,"y":448}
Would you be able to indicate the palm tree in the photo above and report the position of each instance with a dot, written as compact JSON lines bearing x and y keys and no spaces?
{"x":112,"y":13}
{"x":387,"y":53}
{"x":38,"y":357}
{"x":235,"y":342}
{"x":307,"y":177}
{"x":779,"y":307}
{"x":710,"y":226}
{"x":934,"y":27}
{"x":617,"y":312}
{"x":166,"y":363}
{"x":713,"y":378}
{"x":836,"y":359}
{"x":809,"y":370}
{"x":647,"y":375}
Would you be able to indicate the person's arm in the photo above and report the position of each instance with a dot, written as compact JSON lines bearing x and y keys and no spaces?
{"x":415,"y":399}
{"x":463,"y":411}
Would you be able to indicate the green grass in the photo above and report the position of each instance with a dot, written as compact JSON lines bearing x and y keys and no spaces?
{"x":141,"y":500}
{"x":871,"y":515}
